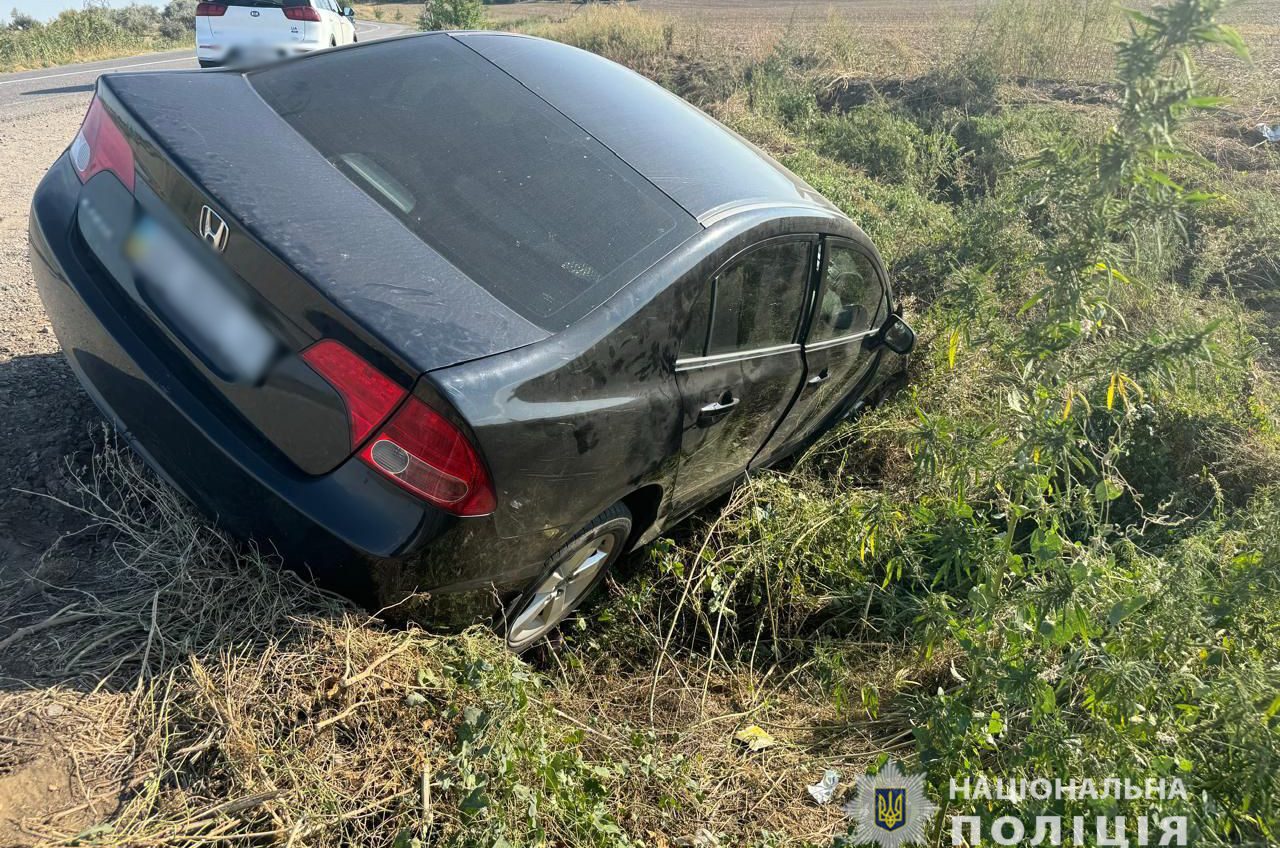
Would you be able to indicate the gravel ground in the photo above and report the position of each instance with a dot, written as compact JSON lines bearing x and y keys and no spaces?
{"x":44,"y":418}
{"x":44,"y":415}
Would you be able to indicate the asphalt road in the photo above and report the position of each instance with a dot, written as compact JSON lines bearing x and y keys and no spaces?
{"x":18,"y":91}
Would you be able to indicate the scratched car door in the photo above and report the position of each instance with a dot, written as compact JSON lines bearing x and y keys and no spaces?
{"x":851,"y":304}
{"x":741,"y":362}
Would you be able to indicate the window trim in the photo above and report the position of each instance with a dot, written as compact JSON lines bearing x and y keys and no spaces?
{"x":688,"y":363}
{"x":695,"y":362}
{"x":882,"y":278}
{"x":826,"y":344}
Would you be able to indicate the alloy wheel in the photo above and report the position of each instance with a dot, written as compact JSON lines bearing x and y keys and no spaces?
{"x":579,"y":569}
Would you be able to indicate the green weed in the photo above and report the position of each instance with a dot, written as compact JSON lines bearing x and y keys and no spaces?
{"x":95,"y":32}
{"x":451,"y":14}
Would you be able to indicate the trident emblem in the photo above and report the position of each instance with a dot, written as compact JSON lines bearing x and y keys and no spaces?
{"x":891,"y":805}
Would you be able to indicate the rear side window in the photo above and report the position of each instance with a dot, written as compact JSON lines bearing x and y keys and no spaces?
{"x":758,"y":298}
{"x":515,"y":195}
{"x":853,"y":298}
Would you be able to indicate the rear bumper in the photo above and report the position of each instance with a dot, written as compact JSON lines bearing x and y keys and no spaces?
{"x":349,"y":526}
{"x":216,"y":55}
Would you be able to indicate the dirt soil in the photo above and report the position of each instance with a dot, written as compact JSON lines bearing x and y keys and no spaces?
{"x":44,"y":418}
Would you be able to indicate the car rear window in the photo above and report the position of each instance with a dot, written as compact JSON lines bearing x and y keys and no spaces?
{"x":510,"y":191}
{"x":266,"y":4}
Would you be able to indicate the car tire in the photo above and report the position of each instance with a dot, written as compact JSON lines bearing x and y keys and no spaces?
{"x":205,"y":63}
{"x":571,"y":575}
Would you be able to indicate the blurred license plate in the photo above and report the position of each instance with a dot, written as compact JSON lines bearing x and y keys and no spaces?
{"x":200,"y":308}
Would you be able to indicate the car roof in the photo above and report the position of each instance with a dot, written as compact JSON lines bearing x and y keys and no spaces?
{"x":292,"y":198}
{"x":706,"y":168}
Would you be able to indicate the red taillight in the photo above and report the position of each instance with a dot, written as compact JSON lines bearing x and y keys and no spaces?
{"x":100,"y":146}
{"x":369,"y":394}
{"x":301,"y":13}
{"x":210,"y":10}
{"x":430,"y":457}
{"x":417,"y":448}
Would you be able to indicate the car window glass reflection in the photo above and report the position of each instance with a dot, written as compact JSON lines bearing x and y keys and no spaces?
{"x":852,"y":301}
{"x":487,"y":174}
{"x":758,"y":298}
{"x":694,"y":341}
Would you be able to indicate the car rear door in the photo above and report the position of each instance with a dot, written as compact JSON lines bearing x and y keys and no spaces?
{"x":740,"y":363}
{"x":343,"y":27}
{"x":333,"y":20}
{"x":852,"y":302}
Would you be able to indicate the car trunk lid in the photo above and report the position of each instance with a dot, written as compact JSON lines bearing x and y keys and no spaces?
{"x":308,"y":253}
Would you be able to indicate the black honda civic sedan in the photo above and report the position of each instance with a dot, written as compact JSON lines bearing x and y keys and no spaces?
{"x":451,"y":313}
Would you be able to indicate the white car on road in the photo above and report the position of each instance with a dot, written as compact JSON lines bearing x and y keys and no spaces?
{"x":249,"y":31}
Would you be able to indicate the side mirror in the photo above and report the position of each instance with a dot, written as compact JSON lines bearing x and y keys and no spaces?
{"x":348,"y":12}
{"x":897,"y":335}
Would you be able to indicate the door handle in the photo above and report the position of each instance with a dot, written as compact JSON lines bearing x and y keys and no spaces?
{"x":820,"y":377}
{"x":713,"y":412}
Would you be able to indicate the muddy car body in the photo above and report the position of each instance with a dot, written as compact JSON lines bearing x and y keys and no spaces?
{"x":609,"y":306}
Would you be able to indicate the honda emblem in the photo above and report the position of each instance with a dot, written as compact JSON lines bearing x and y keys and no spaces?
{"x":213,"y":229}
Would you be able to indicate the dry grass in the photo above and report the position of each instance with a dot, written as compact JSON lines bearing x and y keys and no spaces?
{"x":394,"y":13}
{"x":893,"y":39}
{"x":95,"y":32}
{"x":199,"y":689}
{"x":641,"y":41}
{"x":89,"y":54}
{"x":188,"y":691}
{"x":885,"y":31}
{"x":1068,"y":39}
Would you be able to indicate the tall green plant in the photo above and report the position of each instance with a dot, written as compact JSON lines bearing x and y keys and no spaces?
{"x":1095,"y":205}
{"x":1049,"y":638}
{"x":451,"y":14}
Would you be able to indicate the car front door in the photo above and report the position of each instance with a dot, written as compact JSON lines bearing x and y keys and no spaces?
{"x":851,"y":304}
{"x":740,"y":362}
{"x":346,"y":26}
